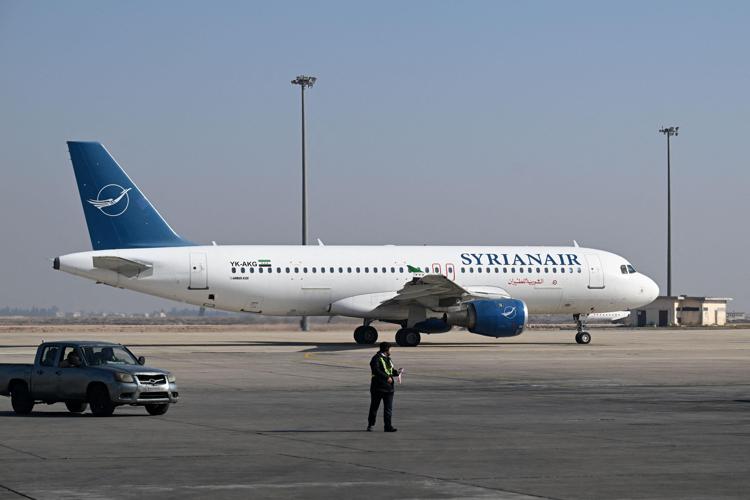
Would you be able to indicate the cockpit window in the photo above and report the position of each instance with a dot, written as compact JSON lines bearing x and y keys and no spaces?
{"x":624,"y":269}
{"x":631,"y":269}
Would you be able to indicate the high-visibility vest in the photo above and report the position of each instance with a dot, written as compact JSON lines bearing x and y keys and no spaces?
{"x":388,"y":367}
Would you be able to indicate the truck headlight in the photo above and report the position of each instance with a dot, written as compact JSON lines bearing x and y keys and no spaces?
{"x":124,"y":377}
{"x":171,"y":378}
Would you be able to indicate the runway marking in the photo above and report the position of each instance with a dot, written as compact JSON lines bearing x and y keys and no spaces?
{"x":24,"y":452}
{"x":16,"y":492}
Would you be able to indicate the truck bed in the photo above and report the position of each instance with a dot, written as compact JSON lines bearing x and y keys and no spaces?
{"x":13,"y":371}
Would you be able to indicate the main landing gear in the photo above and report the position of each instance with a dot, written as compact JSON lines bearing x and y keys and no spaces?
{"x":365,"y":334}
{"x":582,"y":337}
{"x":408,"y":337}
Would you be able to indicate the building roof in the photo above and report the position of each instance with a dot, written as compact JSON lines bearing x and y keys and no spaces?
{"x":690,"y":297}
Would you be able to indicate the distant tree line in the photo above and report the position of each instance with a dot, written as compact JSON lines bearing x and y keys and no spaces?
{"x":37,"y":312}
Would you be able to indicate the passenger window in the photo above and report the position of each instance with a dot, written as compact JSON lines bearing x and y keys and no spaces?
{"x":562,"y":269}
{"x":463,"y":270}
{"x":554,"y":270}
{"x":513,"y":270}
{"x":357,"y":269}
{"x":332,"y":270}
{"x":520,"y":269}
{"x":579,"y":270}
{"x":393,"y":270}
{"x":242,"y":270}
{"x":49,"y":356}
{"x":401,"y":269}
{"x":322,"y":269}
{"x":288,"y":270}
{"x":505,"y":270}
{"x":304,"y":270}
{"x":296,"y":270}
{"x":278,"y":270}
{"x":234,"y":270}
{"x":374,"y":269}
{"x":538,"y":270}
{"x":260,"y":269}
{"x":624,"y":269}
{"x":314,"y":269}
{"x":530,"y":270}
{"x":546,"y":270}
{"x":348,"y":269}
{"x":471,"y":269}
{"x":341,"y":269}
{"x":479,"y":269}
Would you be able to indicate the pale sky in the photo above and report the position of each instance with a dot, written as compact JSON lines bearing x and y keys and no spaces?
{"x":465,"y":123}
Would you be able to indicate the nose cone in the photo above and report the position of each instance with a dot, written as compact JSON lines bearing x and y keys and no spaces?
{"x":650,"y":290}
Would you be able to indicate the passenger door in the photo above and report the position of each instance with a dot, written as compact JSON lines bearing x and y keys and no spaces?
{"x":198,"y":272}
{"x":596,"y":276}
{"x":45,"y":376}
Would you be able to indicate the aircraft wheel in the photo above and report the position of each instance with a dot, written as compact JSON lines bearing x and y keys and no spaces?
{"x":365,"y":335}
{"x":583,"y":338}
{"x":407,"y":337}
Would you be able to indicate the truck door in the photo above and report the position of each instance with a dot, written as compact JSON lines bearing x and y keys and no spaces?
{"x":72,"y":381}
{"x":198,"y":272}
{"x":46,"y":373}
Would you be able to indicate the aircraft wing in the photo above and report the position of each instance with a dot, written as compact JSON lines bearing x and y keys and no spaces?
{"x":126,"y":267}
{"x":437,"y":291}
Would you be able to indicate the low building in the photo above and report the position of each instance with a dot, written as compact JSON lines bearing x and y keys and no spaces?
{"x":681,"y":310}
{"x":736,"y":317}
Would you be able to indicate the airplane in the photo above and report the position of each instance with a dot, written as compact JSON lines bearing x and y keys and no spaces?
{"x":489,"y":291}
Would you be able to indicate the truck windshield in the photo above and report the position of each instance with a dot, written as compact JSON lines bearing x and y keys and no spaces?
{"x":108,"y":355}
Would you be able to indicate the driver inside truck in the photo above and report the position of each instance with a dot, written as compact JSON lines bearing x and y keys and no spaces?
{"x":73,"y":360}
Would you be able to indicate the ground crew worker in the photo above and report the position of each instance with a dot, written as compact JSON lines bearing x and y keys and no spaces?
{"x":382,"y":387}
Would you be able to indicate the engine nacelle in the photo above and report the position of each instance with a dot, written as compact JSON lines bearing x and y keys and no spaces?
{"x":493,"y":318}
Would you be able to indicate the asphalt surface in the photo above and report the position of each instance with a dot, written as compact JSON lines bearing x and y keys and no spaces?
{"x":635,"y":414}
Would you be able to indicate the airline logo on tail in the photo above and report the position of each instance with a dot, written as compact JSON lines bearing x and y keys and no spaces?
{"x":112,"y":200}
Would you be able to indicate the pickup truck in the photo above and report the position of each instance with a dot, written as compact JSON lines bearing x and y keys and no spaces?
{"x":101,"y":375}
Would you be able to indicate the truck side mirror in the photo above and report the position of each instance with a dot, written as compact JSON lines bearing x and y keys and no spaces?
{"x":141,"y":360}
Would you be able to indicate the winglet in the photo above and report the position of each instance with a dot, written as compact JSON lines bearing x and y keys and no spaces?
{"x":320,"y":243}
{"x":575,"y":243}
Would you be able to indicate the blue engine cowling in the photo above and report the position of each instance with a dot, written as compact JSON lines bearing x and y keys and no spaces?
{"x":497,"y":318}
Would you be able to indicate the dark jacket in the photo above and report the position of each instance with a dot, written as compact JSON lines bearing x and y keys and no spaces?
{"x":379,"y":376}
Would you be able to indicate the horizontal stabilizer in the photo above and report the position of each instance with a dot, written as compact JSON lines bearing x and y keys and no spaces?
{"x":126,"y":267}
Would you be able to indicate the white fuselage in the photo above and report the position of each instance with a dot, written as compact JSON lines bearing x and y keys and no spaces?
{"x":322,"y":280}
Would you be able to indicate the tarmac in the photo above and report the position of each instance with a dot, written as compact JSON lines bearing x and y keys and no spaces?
{"x":279,"y":414}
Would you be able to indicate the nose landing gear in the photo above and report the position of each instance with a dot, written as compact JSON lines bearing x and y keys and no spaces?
{"x":582,"y":337}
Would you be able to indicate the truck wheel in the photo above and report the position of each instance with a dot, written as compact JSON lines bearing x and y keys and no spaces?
{"x":76,"y":406}
{"x":101,"y":405}
{"x":20,"y":399}
{"x":157,"y":409}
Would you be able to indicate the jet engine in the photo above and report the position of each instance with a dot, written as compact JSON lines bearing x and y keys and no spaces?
{"x":493,"y":318}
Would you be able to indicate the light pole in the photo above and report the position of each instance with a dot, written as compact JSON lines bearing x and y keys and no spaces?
{"x":303,"y":82}
{"x":669,"y":132}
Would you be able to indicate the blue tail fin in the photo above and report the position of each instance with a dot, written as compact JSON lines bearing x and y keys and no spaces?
{"x":117,"y":213}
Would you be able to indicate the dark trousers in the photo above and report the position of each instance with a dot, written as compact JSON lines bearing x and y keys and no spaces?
{"x":375,"y":397}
